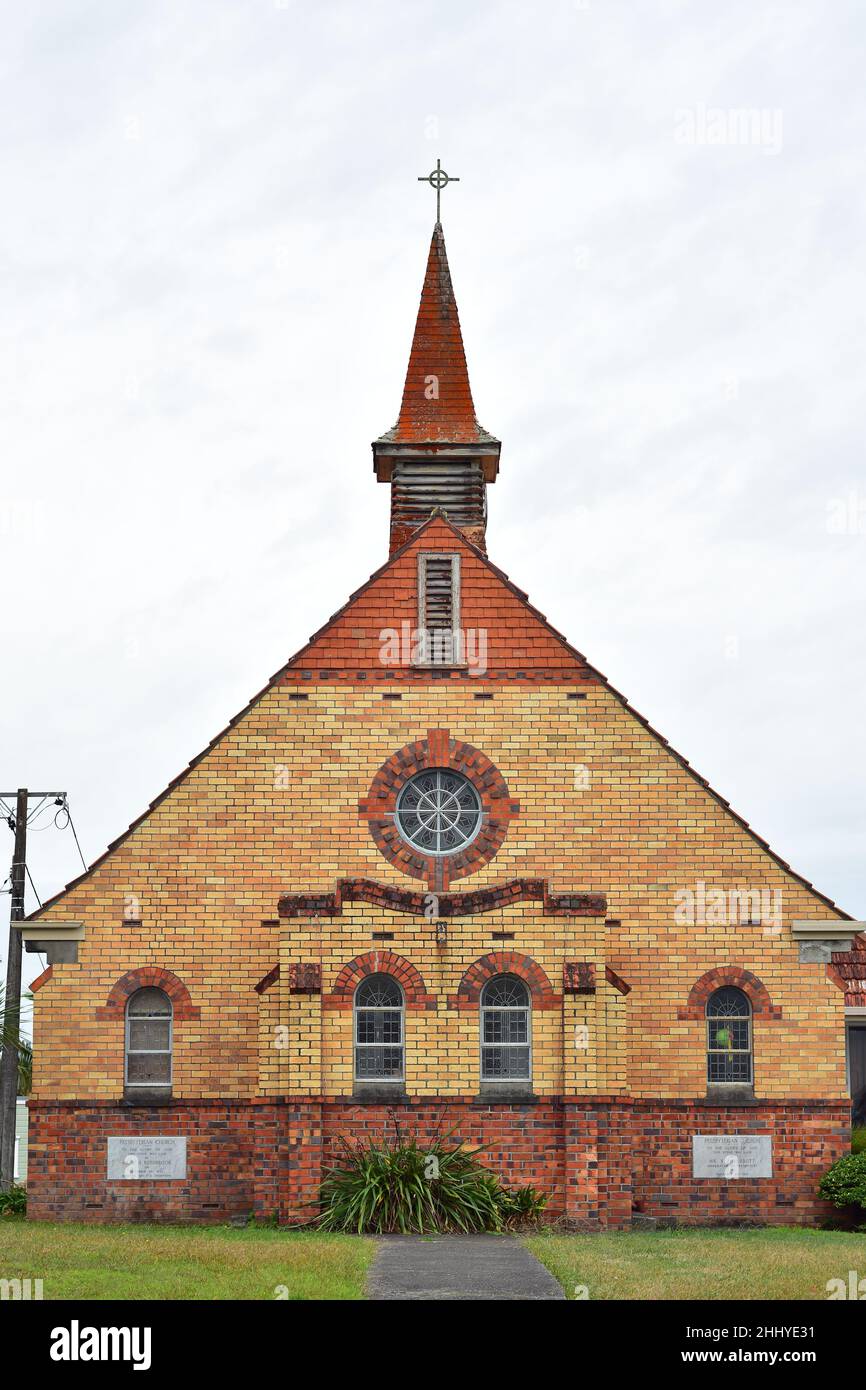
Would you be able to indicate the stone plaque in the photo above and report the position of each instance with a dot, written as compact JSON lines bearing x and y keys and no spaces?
{"x":732,"y":1156}
{"x":152,"y":1158}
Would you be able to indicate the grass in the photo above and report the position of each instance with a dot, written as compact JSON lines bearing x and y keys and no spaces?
{"x":182,"y":1262}
{"x":777,"y":1263}
{"x":217,"y":1262}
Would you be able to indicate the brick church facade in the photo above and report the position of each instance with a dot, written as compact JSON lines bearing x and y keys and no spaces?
{"x":440,"y":873}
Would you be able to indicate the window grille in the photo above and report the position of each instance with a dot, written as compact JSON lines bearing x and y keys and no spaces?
{"x":148,"y":1039}
{"x":729,"y":1036}
{"x":379,"y":1011}
{"x":438,"y":811}
{"x":505,"y":1030}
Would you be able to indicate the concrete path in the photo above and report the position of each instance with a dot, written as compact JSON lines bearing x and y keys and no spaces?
{"x":458,"y":1267}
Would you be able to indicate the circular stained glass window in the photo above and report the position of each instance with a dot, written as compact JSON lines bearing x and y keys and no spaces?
{"x":439,"y":811}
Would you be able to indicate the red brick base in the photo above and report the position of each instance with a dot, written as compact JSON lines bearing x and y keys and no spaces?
{"x":807,"y":1137}
{"x":242,"y":1157}
{"x":600,"y":1160}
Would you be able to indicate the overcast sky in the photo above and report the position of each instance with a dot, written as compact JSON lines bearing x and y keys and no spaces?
{"x":212,"y":246}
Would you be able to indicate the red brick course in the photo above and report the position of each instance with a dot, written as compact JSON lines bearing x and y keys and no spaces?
{"x":156,"y":977}
{"x":375,"y":963}
{"x":600,"y":1159}
{"x":438,"y":750}
{"x":505,"y":963}
{"x":807,"y":1137}
{"x":752,"y":987}
{"x":365,"y":890}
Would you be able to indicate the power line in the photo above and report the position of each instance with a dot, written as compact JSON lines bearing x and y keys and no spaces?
{"x":33,"y":885}
{"x":65,"y":808}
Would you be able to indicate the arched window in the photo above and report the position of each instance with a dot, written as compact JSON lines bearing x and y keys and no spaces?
{"x":505,"y":1030}
{"x":148,"y":1040}
{"x":729,"y":1036}
{"x":379,"y":1029}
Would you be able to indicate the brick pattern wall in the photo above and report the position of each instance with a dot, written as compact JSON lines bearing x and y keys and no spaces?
{"x":522,"y":1143}
{"x":67,"y":1178}
{"x":273,"y":810}
{"x":597,"y":1160}
{"x":807,"y":1137}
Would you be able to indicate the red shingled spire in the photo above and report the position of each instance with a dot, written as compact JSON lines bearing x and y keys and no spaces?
{"x":437,"y":456}
{"x":437,"y":398}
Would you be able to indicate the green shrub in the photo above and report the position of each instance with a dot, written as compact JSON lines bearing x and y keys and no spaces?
{"x":522,"y":1204}
{"x":844,"y":1184}
{"x":858,"y":1140}
{"x":14,"y":1202}
{"x":399,"y":1187}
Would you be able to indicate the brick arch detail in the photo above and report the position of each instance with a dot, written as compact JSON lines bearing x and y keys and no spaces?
{"x":754,"y":989}
{"x":154,"y":976}
{"x":504,"y":963}
{"x":379,"y":963}
{"x":438,"y":750}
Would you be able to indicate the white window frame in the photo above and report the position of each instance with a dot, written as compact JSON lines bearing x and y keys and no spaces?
{"x":400,"y":817}
{"x":149,"y":1051}
{"x":400,"y":1008}
{"x":503,"y":1008}
{"x":748,"y":1051}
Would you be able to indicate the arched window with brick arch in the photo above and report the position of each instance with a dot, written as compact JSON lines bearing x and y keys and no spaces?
{"x":379,"y":1013}
{"x":506,"y":1028}
{"x":729,"y":1037}
{"x":148,"y":1050}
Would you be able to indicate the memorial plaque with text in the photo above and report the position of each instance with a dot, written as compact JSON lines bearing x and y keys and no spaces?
{"x":157,"y":1158}
{"x":732,"y":1156}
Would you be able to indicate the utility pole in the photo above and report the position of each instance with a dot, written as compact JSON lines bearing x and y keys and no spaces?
{"x":9,"y":1058}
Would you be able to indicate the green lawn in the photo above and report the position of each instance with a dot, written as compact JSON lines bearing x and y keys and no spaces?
{"x":176,"y":1262}
{"x":779,"y":1263}
{"x":218,"y":1262}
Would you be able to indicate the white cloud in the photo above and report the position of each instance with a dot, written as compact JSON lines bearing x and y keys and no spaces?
{"x":211,"y":254}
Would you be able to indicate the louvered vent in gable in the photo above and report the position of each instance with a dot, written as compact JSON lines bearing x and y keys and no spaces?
{"x":439,"y":591}
{"x":439,"y":608}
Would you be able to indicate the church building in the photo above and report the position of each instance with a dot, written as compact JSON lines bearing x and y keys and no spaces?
{"x":439,"y":875}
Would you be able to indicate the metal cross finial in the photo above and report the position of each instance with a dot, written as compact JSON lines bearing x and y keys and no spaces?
{"x":438,"y":179}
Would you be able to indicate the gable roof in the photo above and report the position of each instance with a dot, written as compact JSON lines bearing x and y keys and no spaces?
{"x":543,"y":643}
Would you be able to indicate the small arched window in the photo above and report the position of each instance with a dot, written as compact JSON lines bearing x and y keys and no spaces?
{"x":148,"y":1041}
{"x":378,"y":1013}
{"x":505,"y":1030}
{"x":729,"y":1036}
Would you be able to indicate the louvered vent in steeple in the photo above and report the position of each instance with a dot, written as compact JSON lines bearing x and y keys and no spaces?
{"x":457,"y":488}
{"x":437,"y":454}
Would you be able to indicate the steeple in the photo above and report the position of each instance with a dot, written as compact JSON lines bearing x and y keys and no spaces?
{"x":437,"y":454}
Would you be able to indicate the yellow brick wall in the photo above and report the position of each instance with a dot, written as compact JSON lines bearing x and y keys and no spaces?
{"x":274,"y":809}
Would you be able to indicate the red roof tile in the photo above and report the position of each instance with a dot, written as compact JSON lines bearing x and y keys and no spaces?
{"x":437,"y":398}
